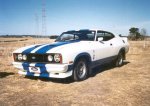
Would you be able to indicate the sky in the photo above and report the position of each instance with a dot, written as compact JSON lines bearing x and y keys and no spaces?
{"x":24,"y":17}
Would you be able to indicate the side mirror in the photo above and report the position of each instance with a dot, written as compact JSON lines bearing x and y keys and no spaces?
{"x":100,"y":39}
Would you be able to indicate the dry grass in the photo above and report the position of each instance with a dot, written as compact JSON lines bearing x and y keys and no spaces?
{"x":128,"y":85}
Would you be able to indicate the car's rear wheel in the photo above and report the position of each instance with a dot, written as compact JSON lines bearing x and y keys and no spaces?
{"x":119,"y":60}
{"x":80,"y":71}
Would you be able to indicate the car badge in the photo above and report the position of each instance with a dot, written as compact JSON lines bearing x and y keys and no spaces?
{"x":33,"y":58}
{"x":34,"y":68}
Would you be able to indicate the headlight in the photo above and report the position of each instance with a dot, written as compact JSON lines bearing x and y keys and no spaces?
{"x":19,"y":56}
{"x":50,"y":58}
{"x":57,"y":58}
{"x":24,"y":57}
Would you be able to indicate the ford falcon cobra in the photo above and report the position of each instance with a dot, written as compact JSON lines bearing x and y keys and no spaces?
{"x":73,"y":54}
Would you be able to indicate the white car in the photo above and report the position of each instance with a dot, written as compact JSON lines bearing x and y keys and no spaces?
{"x":74,"y":53}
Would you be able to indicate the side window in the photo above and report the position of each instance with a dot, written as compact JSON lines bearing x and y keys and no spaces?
{"x":76,"y":37}
{"x":67,"y":37}
{"x":100,"y":34}
{"x":90,"y":36}
{"x":108,"y":36}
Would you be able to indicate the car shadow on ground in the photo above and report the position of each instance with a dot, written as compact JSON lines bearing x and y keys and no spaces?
{"x":5,"y":74}
{"x":69,"y":80}
{"x":103,"y":68}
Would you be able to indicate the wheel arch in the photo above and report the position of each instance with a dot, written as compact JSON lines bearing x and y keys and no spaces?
{"x":84,"y":55}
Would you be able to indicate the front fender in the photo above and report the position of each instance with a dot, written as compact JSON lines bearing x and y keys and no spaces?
{"x":83,"y":55}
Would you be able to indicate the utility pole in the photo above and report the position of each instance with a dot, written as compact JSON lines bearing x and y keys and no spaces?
{"x":36,"y":25}
{"x":44,"y":17}
{"x":36,"y":28}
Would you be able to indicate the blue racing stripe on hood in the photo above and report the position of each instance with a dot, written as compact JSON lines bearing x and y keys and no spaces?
{"x":44,"y":49}
{"x":30,"y":49}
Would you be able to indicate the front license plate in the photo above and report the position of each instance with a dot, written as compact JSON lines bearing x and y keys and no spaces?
{"x":34,"y":69}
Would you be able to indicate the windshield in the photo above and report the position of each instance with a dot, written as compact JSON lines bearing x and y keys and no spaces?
{"x":86,"y":35}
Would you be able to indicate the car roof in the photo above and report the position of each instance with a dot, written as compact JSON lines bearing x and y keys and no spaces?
{"x":94,"y":30}
{"x":88,"y":30}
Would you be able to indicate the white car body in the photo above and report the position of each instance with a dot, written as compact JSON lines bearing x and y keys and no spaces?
{"x":97,"y":52}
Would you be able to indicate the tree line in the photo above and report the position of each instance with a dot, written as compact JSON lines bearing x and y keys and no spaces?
{"x":137,"y":34}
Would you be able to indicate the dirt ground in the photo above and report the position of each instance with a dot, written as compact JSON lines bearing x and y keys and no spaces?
{"x":128,"y":85}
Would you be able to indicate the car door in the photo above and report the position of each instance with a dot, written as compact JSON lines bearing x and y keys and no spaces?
{"x":110,"y":40}
{"x":104,"y":48}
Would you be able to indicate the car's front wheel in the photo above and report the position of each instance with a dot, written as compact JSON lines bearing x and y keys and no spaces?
{"x":80,"y":71}
{"x":119,"y":60}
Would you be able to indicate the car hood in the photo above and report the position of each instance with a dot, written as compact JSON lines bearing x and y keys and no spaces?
{"x":46,"y":48}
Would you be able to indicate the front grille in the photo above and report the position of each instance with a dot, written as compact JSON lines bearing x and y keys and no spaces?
{"x":36,"y":58}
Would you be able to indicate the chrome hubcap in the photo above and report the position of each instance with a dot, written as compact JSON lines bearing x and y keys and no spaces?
{"x":81,"y":69}
{"x":120,"y":60}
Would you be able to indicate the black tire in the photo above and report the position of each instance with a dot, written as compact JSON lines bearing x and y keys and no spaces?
{"x":119,"y":60}
{"x":80,"y":71}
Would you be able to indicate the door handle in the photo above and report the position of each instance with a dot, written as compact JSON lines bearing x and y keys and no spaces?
{"x":110,"y":44}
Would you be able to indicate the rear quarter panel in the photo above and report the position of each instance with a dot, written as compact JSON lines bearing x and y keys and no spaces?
{"x":120,"y":43}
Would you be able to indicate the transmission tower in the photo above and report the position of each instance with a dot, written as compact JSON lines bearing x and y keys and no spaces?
{"x":36,"y":25}
{"x":43,"y":17}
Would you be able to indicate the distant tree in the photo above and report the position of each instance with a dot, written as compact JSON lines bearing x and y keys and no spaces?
{"x":134,"y":30}
{"x":134,"y":34}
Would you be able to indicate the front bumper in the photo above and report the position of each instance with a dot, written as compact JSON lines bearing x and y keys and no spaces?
{"x":44,"y":70}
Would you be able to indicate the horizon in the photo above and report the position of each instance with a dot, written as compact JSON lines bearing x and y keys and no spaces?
{"x":24,"y":17}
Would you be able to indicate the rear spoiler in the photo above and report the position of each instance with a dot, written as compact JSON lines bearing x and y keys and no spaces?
{"x":122,"y":36}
